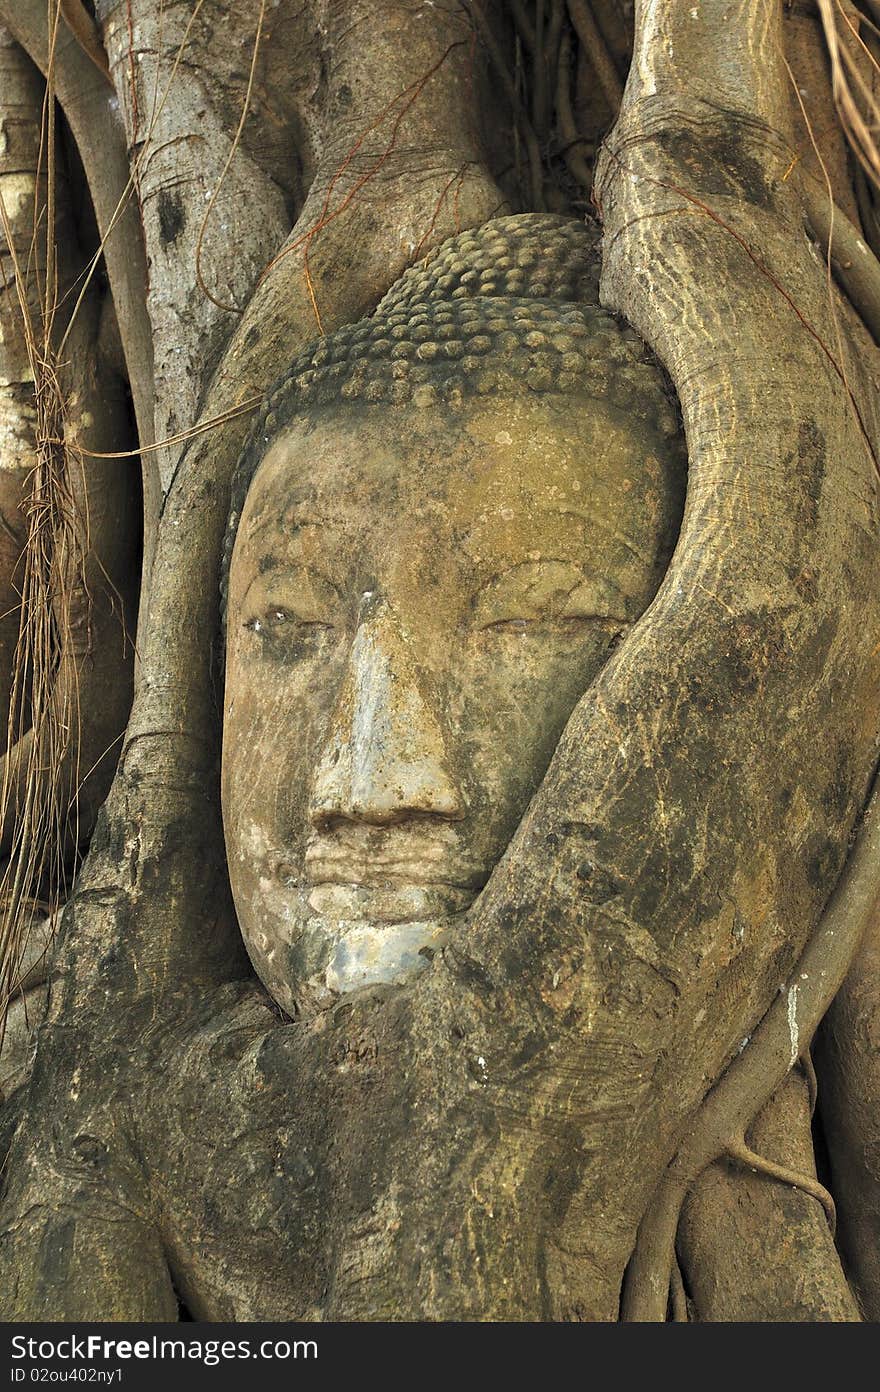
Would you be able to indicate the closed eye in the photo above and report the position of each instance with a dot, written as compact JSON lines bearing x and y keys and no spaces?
{"x":291,"y":604}
{"x":548,"y":596}
{"x":557,"y":622}
{"x":275,"y":620}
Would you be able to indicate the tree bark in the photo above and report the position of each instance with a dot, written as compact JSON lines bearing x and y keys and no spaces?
{"x":485,"y":1142}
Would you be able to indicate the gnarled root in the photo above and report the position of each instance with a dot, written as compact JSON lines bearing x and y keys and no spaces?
{"x":754,"y":1249}
{"x":753,"y":1076}
{"x":848,"y":1059}
{"x":808,"y":1185}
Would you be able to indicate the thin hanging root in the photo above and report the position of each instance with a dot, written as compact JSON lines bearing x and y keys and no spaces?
{"x":573,"y":152}
{"x":531,"y":140}
{"x":755,"y":1074}
{"x":539,"y":76}
{"x":677,"y":1295}
{"x":545,"y":67}
{"x":812,"y":1081}
{"x":738,"y":1150}
{"x":525,"y":27}
{"x":597,"y":52}
{"x":854,"y":263}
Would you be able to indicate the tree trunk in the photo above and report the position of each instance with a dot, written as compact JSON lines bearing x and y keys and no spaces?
{"x":501,"y":1137}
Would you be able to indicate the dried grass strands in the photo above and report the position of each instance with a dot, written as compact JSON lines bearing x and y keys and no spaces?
{"x":857,"y":105}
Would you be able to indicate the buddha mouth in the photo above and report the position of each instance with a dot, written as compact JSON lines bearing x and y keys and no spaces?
{"x":389,"y":875}
{"x":367,"y":905}
{"x":391,"y":901}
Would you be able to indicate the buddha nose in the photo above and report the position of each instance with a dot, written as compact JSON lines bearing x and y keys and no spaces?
{"x":384,"y":757}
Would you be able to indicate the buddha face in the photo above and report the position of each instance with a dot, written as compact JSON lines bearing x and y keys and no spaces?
{"x":416,"y":602}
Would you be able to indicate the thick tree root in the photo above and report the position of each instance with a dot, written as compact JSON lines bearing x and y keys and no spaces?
{"x":753,"y":1249}
{"x":776,"y":1045}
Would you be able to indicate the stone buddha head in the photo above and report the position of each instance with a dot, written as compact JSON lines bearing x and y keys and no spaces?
{"x":443,"y":522}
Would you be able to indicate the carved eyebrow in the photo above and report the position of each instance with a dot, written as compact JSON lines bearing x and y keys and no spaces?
{"x":524,"y":573}
{"x":290,"y":522}
{"x":515,"y":582}
{"x":531,"y":564}
{"x":285,"y":531}
{"x":270,"y":565}
{"x":289,"y":570}
{"x":642,"y":554}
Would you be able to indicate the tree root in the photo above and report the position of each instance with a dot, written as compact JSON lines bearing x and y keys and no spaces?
{"x":776,"y":1045}
{"x":536,"y":176}
{"x":677,"y":1295}
{"x":85,"y":31}
{"x":746,"y":1156}
{"x":573,"y":151}
{"x":812,"y":1084}
{"x":596,"y":49}
{"x":854,"y":264}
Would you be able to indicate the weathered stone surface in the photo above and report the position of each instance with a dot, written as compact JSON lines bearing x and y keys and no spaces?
{"x":483,"y":1141}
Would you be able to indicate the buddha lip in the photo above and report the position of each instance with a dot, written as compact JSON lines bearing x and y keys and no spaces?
{"x":386,"y":874}
{"x":384,"y":902}
{"x":423,"y":867}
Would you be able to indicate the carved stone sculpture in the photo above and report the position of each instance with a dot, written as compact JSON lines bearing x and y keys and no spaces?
{"x":547,"y":920}
{"x":445,"y":520}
